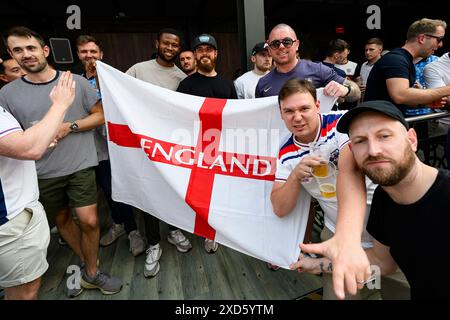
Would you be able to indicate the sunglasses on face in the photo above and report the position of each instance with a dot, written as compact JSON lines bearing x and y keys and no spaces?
{"x":287,"y":43}
{"x":439,"y":39}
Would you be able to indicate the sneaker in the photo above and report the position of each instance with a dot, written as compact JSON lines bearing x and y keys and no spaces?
{"x":151,"y":266}
{"x":102,"y":281}
{"x":112,"y":235}
{"x":137,"y":243}
{"x":61,"y":241}
{"x":179,"y":240}
{"x":272,"y":267}
{"x":211,"y":246}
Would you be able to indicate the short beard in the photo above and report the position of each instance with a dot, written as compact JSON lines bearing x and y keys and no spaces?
{"x":391,"y":177}
{"x":206,"y":67}
{"x":162,"y":57}
{"x":38,"y":68}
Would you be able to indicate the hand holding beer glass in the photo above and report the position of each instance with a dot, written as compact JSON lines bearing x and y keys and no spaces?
{"x":325,"y":173}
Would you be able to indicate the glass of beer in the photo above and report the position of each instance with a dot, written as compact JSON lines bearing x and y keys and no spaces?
{"x":320,"y":151}
{"x":327,"y":182}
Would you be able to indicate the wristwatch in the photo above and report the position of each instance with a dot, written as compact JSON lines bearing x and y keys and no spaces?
{"x":349,"y":87}
{"x":73,"y":127}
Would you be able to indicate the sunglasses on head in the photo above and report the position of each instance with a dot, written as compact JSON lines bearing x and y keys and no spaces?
{"x":287,"y":43}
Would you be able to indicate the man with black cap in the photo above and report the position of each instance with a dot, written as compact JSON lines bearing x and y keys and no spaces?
{"x":206,"y":82}
{"x":409,"y":195}
{"x":246,"y":84}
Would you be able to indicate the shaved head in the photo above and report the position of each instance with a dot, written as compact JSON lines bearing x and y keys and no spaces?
{"x":282,"y":26}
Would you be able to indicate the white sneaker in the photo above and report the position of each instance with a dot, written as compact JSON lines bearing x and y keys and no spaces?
{"x":211,"y":246}
{"x":137,"y":243}
{"x":116,"y":231}
{"x":151,"y":266}
{"x":179,"y":240}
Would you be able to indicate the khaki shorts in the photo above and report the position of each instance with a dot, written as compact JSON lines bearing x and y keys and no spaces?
{"x":23,"y":247}
{"x":75,"y":190}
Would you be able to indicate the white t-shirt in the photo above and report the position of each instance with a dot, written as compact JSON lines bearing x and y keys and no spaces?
{"x":349,"y":68}
{"x":365,"y":71}
{"x":18,"y":178}
{"x":246,"y":84}
{"x":292,"y":152}
{"x":437,"y":74}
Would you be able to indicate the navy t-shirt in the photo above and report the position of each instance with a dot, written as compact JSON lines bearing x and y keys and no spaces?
{"x":338,"y":71}
{"x":418,"y":236}
{"x":397,"y":63}
{"x":315,"y":72}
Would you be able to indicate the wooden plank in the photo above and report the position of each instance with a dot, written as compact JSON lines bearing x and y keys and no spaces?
{"x":193,"y":276}
{"x":169,"y":277}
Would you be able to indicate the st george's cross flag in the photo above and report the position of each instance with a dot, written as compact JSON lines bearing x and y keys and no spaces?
{"x":204,"y":165}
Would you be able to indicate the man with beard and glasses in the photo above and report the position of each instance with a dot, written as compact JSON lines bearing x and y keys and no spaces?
{"x":262,"y":61}
{"x":66,"y":171}
{"x":409,"y":215}
{"x":393,"y":77}
{"x":187,"y":62}
{"x":207,"y":83}
{"x":89,"y":50}
{"x":162,"y":72}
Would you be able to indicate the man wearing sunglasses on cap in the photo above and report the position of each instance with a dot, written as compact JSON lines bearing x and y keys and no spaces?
{"x":283,"y":46}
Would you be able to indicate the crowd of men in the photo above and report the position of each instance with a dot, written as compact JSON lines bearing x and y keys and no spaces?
{"x":54,"y":154}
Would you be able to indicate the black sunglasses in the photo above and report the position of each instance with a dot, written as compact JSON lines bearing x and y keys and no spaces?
{"x":287,"y":43}
{"x":439,"y":39}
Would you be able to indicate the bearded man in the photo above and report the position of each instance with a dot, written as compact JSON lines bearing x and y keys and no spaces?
{"x":207,"y":83}
{"x":410,"y":195}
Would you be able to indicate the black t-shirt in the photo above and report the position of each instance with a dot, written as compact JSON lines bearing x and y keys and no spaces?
{"x":418,"y":236}
{"x":210,"y":87}
{"x":397,"y":63}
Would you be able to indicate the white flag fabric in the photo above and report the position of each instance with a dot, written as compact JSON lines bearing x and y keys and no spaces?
{"x":204,"y":165}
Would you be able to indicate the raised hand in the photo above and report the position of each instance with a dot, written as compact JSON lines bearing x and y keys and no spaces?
{"x":63,"y":94}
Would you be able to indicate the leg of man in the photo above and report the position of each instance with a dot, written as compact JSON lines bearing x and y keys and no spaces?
{"x":82,"y":195}
{"x":90,"y":234}
{"x":27,"y":291}
{"x":70,"y":231}
{"x":151,"y":229}
{"x":23,"y":253}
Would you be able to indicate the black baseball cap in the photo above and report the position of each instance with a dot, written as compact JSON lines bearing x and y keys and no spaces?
{"x":381,"y":106}
{"x":259,"y":47}
{"x":204,"y":39}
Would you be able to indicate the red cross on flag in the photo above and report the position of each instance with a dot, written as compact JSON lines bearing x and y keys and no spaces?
{"x":204,"y":165}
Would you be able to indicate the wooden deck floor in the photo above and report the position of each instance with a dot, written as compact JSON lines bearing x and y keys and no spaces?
{"x":194,"y":275}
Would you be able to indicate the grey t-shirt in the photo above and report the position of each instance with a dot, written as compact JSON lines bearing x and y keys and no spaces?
{"x":29,"y":102}
{"x":151,"y":72}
